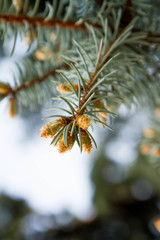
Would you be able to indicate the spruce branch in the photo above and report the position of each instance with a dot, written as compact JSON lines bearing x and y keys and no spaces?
{"x":53,"y":23}
{"x":36,"y":80}
{"x":12,"y":92}
{"x":90,"y":106}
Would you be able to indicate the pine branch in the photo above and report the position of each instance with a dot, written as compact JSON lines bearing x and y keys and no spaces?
{"x":12,"y":93}
{"x":36,"y":80}
{"x":78,"y":121}
{"x":89,"y":83}
{"x":8,"y":90}
{"x":89,"y":98}
{"x":34,"y":21}
{"x":90,"y":94}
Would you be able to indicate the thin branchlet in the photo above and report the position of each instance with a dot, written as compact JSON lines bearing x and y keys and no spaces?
{"x":33,"y":21}
{"x":39,"y":80}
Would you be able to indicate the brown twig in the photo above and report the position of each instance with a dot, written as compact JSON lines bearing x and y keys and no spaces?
{"x":34,"y":21}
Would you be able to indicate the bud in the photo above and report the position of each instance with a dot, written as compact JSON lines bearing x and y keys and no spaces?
{"x":145,"y":149}
{"x":50,"y":129}
{"x":62,"y":148}
{"x":86,"y":142}
{"x":4,"y":88}
{"x":29,"y":37}
{"x":64,"y":89}
{"x":43,"y":53}
{"x":156,"y":152}
{"x":18,"y":4}
{"x":12,"y":107}
{"x":149,"y":133}
{"x":157,"y":224}
{"x":83,"y":122}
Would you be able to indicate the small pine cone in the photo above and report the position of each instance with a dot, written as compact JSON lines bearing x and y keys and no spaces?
{"x":12,"y":107}
{"x":64,"y":89}
{"x":83,"y":122}
{"x":86,"y":142}
{"x":75,"y":86}
{"x":149,"y":133}
{"x":62,"y":148}
{"x":145,"y":149}
{"x":50,"y":129}
{"x":4,"y":88}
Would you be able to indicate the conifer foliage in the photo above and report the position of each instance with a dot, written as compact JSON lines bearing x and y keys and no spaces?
{"x":94,"y":55}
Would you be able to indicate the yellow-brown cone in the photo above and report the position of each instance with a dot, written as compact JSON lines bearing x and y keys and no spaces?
{"x":62,"y":148}
{"x":83,"y":122}
{"x":4,"y":88}
{"x":86,"y":142}
{"x":51,"y":128}
{"x":64,"y":89}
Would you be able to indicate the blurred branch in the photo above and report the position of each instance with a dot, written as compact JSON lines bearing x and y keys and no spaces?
{"x":37,"y":80}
